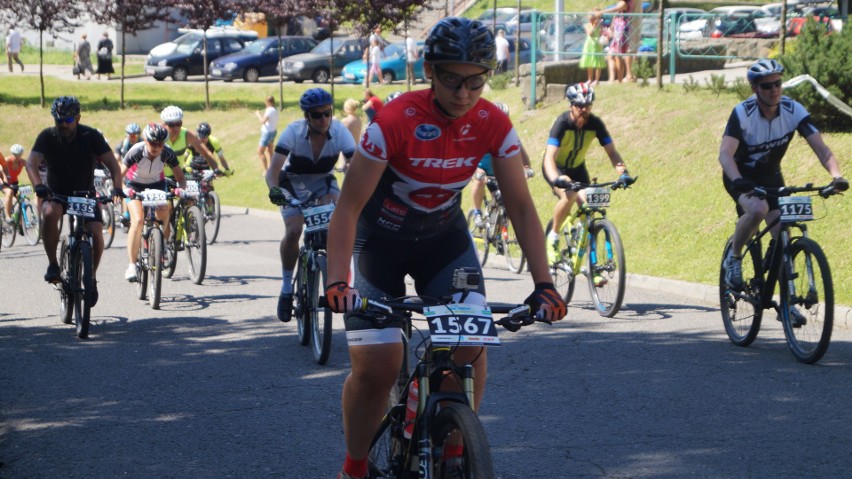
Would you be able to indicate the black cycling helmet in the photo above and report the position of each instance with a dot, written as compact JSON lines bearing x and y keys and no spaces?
{"x":580,"y":94}
{"x":461,"y":40}
{"x":133,"y":129}
{"x":313,"y":98}
{"x":764,"y":68}
{"x":65,"y":107}
{"x":155,"y":132}
{"x":204,"y":129}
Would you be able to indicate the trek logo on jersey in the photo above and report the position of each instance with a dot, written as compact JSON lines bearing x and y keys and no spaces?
{"x":444,"y":163}
{"x":369,"y":146}
{"x":427,"y":132}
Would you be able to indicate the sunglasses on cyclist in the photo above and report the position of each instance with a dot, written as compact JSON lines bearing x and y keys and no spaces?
{"x":770,"y":85}
{"x":156,"y":144}
{"x":454,"y":81}
{"x":68,"y":120}
{"x":316,"y":115}
{"x":174,"y":124}
{"x":582,"y":106}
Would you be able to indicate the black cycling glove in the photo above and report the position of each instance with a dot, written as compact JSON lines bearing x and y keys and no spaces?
{"x":117,"y":193}
{"x":278,"y":196}
{"x":42,"y":191}
{"x":840,"y":183}
{"x":561,"y":183}
{"x":742,"y":185}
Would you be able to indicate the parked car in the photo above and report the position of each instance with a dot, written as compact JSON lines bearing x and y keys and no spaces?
{"x":503,"y":14}
{"x":572,"y":31}
{"x":522,"y":21}
{"x":314,"y":65}
{"x":705,"y":27}
{"x":795,"y":25}
{"x":259,"y":58}
{"x":393,"y":65}
{"x":525,"y":53}
{"x":184,"y":56}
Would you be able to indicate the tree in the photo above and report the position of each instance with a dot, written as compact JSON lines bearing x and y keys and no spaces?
{"x":129,"y":18}
{"x":278,"y":13}
{"x":52,"y":16}
{"x":202,"y":14}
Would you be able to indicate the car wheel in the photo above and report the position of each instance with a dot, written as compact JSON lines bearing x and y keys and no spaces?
{"x":227,"y":80}
{"x":251,"y":75}
{"x":320,"y":75}
{"x":159,"y":78}
{"x":298,"y":81}
{"x":180,"y":74}
{"x":388,"y":76}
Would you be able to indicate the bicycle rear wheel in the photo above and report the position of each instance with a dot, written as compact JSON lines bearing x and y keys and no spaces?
{"x":813,"y":298}
{"x":30,"y":224}
{"x":108,"y":215}
{"x":82,"y":287}
{"x":320,"y":317}
{"x":195,"y":244}
{"x":387,"y":456}
{"x":10,"y":230}
{"x":66,"y":298}
{"x":515,"y":259}
{"x":562,"y":272}
{"x":742,"y":310}
{"x":301,"y":306}
{"x":212,"y":216}
{"x":456,"y":428}
{"x":155,"y":267}
{"x":481,"y":240}
{"x":607,"y":268}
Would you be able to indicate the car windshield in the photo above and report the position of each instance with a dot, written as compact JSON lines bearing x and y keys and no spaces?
{"x":187,"y":43}
{"x":324,"y":47}
{"x":394,"y":51}
{"x":255,"y":48}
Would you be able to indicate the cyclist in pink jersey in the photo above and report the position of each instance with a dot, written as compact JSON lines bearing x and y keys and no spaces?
{"x":400,"y":214}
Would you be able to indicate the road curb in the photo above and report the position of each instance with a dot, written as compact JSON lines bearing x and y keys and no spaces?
{"x":703,"y":293}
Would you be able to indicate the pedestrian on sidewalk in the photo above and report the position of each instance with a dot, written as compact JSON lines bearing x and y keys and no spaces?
{"x":268,"y":130}
{"x":13,"y":47}
{"x":82,"y":58}
{"x":105,"y":47}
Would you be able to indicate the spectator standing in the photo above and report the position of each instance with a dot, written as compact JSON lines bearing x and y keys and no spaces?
{"x":411,"y":57}
{"x":13,"y":47}
{"x":353,"y":123}
{"x":502,"y":52}
{"x":372,"y":104}
{"x":593,"y":58}
{"x":82,"y":58}
{"x":105,"y":47}
{"x":268,"y":130}
{"x":375,"y":56}
{"x":618,"y":47}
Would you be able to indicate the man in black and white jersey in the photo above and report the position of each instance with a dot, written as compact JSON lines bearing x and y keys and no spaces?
{"x":302,"y":167}
{"x":756,"y":138}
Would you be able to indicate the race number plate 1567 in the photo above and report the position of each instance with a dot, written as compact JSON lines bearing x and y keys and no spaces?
{"x":461,"y":325}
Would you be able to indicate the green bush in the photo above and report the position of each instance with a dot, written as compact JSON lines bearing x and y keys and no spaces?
{"x":643,"y":70}
{"x":826,"y":58}
{"x":716,"y":84}
{"x":691,"y":85}
{"x":501,"y":81}
{"x":742,"y":88}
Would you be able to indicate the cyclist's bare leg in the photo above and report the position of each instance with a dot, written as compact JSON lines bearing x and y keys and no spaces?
{"x":755,"y":210}
{"x":51,"y":214}
{"x":163,"y":214}
{"x":477,"y":189}
{"x":478,"y":357}
{"x":261,"y":155}
{"x":289,"y":248}
{"x":563,"y":207}
{"x":96,"y":232}
{"x":134,"y":233}
{"x":375,"y":369}
{"x":7,"y":202}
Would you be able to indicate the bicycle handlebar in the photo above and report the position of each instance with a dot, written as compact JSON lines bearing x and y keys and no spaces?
{"x":763,"y":191}
{"x":614,"y":185}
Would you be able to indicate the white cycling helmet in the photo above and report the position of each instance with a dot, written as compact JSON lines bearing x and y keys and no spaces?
{"x":171,"y":114}
{"x":17,"y":149}
{"x":502,"y":106}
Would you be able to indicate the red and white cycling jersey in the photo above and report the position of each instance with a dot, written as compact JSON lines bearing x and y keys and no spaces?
{"x":430,"y":160}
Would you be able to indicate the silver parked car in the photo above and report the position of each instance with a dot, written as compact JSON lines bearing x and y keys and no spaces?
{"x":316,"y":65}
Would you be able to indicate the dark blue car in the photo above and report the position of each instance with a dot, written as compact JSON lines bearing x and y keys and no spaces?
{"x":259,"y":58}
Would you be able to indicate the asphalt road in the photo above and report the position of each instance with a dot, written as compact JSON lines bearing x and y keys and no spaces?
{"x":212,"y":385}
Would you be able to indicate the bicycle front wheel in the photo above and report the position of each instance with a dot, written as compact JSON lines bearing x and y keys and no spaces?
{"x":66,"y":298}
{"x":108,"y":215}
{"x":82,"y":287}
{"x":742,"y":310}
{"x":30,"y":224}
{"x":562,"y":271}
{"x":387,"y":456}
{"x":155,"y":267}
{"x":10,"y":230}
{"x":170,"y":250}
{"x":515,"y":259}
{"x":479,"y":235}
{"x":195,"y":243}
{"x":301,"y":305}
{"x":809,"y":332}
{"x":607,"y":268}
{"x":456,"y":429}
{"x":320,"y":317}
{"x":142,"y":267}
{"x":212,"y":216}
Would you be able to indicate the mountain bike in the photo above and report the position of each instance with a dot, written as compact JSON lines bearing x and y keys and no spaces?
{"x":441,"y":436}
{"x":208,"y":200}
{"x":25,"y":219}
{"x":76,"y":262}
{"x":805,"y":304}
{"x":589,"y":228}
{"x":496,"y":231}
{"x":313,"y":322}
{"x":150,"y":262}
{"x":187,"y":234}
{"x":103,"y":187}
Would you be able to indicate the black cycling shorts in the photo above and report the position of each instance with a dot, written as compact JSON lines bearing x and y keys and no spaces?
{"x":580,"y":173}
{"x":772,"y":180}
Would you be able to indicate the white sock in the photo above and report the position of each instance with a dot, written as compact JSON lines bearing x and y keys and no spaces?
{"x":287,"y":282}
{"x":553,"y":237}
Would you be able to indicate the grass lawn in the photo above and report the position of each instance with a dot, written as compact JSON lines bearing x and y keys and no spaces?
{"x":674,"y":221}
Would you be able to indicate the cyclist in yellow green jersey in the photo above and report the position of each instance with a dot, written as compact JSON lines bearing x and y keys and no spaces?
{"x":565,"y":157}
{"x":180,"y":138}
{"x":194,"y":160}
